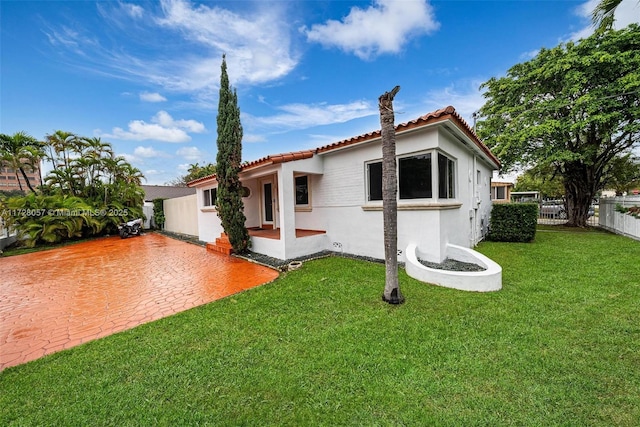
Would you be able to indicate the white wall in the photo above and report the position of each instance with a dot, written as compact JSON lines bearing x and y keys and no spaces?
{"x":338,"y":202}
{"x":181,"y":215}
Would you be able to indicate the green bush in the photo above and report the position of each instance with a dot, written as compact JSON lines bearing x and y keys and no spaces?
{"x":158,"y":213}
{"x":513,"y":222}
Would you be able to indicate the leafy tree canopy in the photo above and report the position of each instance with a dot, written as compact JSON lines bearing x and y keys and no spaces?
{"x":194,"y":172}
{"x":573,"y":108}
{"x":541,"y":179}
{"x":88,"y":191}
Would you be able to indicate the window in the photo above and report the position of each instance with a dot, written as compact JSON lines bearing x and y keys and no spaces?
{"x":499,"y":192}
{"x":446,"y":177}
{"x":302,"y":190}
{"x":374,"y":175}
{"x":414,"y":177}
{"x":210,"y":197}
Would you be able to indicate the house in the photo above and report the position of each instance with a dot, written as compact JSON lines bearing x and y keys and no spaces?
{"x":330,"y":198}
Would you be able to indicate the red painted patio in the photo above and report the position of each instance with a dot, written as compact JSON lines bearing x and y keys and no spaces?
{"x":57,"y":299}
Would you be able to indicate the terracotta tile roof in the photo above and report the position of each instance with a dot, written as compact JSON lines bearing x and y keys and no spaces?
{"x":279,"y":158}
{"x":448,"y":113}
{"x":268,"y":160}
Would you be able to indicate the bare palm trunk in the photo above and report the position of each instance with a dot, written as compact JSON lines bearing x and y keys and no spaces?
{"x":391,"y":293}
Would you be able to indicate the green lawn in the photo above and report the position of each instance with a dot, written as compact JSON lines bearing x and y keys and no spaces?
{"x":559,"y":345}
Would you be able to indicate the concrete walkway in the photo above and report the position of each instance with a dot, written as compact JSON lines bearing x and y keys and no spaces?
{"x":57,"y":299}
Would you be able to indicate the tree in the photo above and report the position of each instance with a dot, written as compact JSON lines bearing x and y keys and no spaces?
{"x":391,"y":293}
{"x":623,"y":174}
{"x":542,"y":179}
{"x":603,"y":14}
{"x":194,"y":172}
{"x":573,"y":108}
{"x":230,"y":206}
{"x":21,"y":152}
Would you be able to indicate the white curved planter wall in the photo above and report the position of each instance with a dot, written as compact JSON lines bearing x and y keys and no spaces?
{"x":476,"y":281}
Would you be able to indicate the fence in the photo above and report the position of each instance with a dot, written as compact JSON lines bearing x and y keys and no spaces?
{"x":6,"y":237}
{"x":553,"y":212}
{"x":181,"y":215}
{"x":617,"y":222}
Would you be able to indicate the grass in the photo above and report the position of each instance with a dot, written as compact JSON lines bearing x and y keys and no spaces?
{"x":558,"y":345}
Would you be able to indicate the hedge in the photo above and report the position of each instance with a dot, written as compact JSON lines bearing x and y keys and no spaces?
{"x":513,"y":222}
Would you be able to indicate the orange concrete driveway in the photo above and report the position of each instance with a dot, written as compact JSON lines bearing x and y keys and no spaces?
{"x":56,"y":299}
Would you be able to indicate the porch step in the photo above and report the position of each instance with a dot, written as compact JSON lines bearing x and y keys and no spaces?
{"x":222,"y":245}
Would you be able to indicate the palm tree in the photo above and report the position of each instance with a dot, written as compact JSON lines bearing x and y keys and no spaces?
{"x":21,"y":152}
{"x":391,"y":293}
{"x":603,"y":14}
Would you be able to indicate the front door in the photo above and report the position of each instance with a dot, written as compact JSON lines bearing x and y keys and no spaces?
{"x":268,"y":204}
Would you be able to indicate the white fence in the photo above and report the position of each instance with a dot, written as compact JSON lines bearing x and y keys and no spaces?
{"x":617,"y":222}
{"x":6,"y":237}
{"x":181,"y":215}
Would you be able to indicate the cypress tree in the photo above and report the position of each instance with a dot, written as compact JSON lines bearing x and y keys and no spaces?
{"x":230,"y":206}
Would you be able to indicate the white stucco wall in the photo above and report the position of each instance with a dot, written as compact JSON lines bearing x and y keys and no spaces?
{"x":181,"y":215}
{"x":338,"y":193}
{"x":431,"y":224}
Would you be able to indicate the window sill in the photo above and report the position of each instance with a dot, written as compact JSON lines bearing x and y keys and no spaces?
{"x":419,"y":206}
{"x":209,"y":209}
{"x":304,"y":208}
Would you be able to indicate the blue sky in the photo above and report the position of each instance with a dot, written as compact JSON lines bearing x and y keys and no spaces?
{"x":144,"y":76}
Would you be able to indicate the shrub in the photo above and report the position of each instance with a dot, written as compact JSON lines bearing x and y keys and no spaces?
{"x":634,"y":211}
{"x":513,"y":222}
{"x":158,"y":213}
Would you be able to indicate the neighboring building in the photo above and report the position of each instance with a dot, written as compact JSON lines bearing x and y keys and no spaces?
{"x":501,"y":191}
{"x":10,"y":182}
{"x":152,"y":192}
{"x":330,"y":198}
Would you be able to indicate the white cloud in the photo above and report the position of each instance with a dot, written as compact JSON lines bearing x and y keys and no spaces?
{"x":250,"y":138}
{"x":133,"y":10}
{"x":152,"y":97}
{"x":152,"y":172}
{"x":384,"y":27}
{"x":627,"y":12}
{"x":465,"y":97}
{"x":164,"y":119}
{"x":190,"y":153}
{"x":162,"y":128}
{"x":529,"y":55}
{"x":302,"y":116}
{"x":148,"y":152}
{"x":258,"y":45}
{"x":179,"y":45}
{"x":184,"y":166}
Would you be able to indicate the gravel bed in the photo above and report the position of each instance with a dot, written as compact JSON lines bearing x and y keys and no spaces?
{"x":452,"y":265}
{"x":283,"y":264}
{"x":280,"y":264}
{"x":184,"y":237}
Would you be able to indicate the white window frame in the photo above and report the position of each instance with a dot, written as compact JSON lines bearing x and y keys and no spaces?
{"x":302,"y":207}
{"x":209,"y":196}
{"x":433,"y":202}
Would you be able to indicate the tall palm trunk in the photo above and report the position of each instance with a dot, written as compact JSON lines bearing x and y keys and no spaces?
{"x":26,"y":180}
{"x":391,"y":293}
